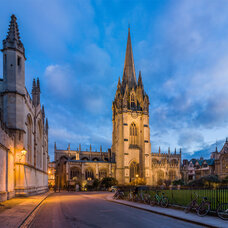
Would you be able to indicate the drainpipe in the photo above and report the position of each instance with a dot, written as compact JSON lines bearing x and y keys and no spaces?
{"x":7,"y":194}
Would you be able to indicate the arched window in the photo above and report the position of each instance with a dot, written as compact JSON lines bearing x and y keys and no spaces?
{"x":29,"y":139}
{"x":102,"y":173}
{"x":89,"y":174}
{"x":174,"y":162}
{"x":75,"y":172}
{"x":134,"y":171}
{"x":154,"y":161}
{"x":39,"y":151}
{"x":160,"y":176}
{"x":172,"y":175}
{"x":133,"y":134}
{"x":132,"y":101}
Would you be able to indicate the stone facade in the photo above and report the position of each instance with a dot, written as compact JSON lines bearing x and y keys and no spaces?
{"x":51,"y":174}
{"x":131,"y":132}
{"x":197,"y":168}
{"x":6,"y":163}
{"x":130,"y":157}
{"x":221,"y":161}
{"x":81,"y":165}
{"x":24,"y":118}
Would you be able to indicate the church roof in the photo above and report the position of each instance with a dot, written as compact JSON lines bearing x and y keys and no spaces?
{"x":129,"y":76}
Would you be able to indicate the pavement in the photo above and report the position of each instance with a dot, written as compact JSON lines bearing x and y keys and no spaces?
{"x":96,"y":210}
{"x":15,"y":211}
{"x":207,"y":221}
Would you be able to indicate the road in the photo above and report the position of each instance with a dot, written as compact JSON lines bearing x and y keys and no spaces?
{"x":91,"y":210}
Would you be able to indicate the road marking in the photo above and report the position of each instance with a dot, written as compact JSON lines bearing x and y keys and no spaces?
{"x":28,"y":220}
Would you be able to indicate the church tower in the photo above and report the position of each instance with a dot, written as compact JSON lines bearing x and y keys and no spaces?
{"x":130,"y":117}
{"x":14,"y":78}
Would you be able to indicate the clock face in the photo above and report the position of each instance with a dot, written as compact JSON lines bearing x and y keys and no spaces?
{"x":134,"y":115}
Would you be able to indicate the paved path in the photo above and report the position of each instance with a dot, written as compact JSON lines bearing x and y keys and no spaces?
{"x":86,"y":210}
{"x":14,"y":211}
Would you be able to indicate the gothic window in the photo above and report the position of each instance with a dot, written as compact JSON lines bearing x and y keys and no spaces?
{"x":160,"y":176}
{"x":74,"y":172}
{"x":39,"y":151}
{"x":134,"y":171}
{"x":172,"y":175}
{"x":102,"y":173}
{"x":174,"y":162}
{"x":132,"y":101}
{"x":154,"y":161}
{"x":89,"y":174}
{"x":29,"y":139}
{"x":133,"y":134}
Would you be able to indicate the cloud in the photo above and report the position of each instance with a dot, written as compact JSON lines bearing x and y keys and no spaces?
{"x":60,"y":80}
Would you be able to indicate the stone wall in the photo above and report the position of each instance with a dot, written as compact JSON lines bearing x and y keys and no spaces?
{"x":6,"y":164}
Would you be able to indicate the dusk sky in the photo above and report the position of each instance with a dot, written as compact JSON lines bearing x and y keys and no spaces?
{"x":77,"y":49}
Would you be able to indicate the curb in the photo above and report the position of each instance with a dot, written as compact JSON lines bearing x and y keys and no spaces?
{"x":27,"y":221}
{"x":160,"y":213}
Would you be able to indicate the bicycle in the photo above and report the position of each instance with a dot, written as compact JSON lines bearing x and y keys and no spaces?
{"x":118,"y":194}
{"x":222,"y":211}
{"x":159,"y":200}
{"x":202,"y":209}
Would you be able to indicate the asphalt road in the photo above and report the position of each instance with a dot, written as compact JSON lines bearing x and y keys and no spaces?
{"x":91,"y":210}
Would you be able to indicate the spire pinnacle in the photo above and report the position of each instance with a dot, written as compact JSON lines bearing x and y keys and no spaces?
{"x":38,"y":84}
{"x":13,"y":39}
{"x":140,"y":79}
{"x":129,"y":76}
{"x":119,"y":84}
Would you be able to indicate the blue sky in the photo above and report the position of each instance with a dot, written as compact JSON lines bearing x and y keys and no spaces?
{"x":77,"y":49}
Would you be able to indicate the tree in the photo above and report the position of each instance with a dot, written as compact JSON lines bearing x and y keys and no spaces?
{"x":108,"y":182}
{"x":178,"y":182}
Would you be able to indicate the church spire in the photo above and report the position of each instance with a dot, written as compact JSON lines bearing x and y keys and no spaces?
{"x":129,"y":76}
{"x":13,"y":39}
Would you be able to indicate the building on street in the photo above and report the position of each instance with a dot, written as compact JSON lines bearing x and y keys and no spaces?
{"x":130,"y":156}
{"x":23,"y":125}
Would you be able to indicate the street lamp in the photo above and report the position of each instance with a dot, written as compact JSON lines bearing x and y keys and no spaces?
{"x":23,"y":153}
{"x":137,"y":175}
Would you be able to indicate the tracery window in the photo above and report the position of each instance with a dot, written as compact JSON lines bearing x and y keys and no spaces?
{"x":134,"y":171}
{"x":29,"y":139}
{"x":74,"y":172}
{"x":89,"y":174}
{"x":102,"y":173}
{"x":133,"y":134}
{"x":39,"y":151}
{"x":172,"y":175}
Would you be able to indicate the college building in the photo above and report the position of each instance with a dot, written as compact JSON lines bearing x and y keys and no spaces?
{"x":23,"y":126}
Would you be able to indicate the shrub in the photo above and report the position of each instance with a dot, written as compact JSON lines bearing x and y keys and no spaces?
{"x":108,"y":182}
{"x":178,"y":182}
{"x":206,"y":181}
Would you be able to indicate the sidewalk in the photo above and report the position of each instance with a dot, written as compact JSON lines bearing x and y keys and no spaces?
{"x":14,"y":211}
{"x":208,"y":221}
